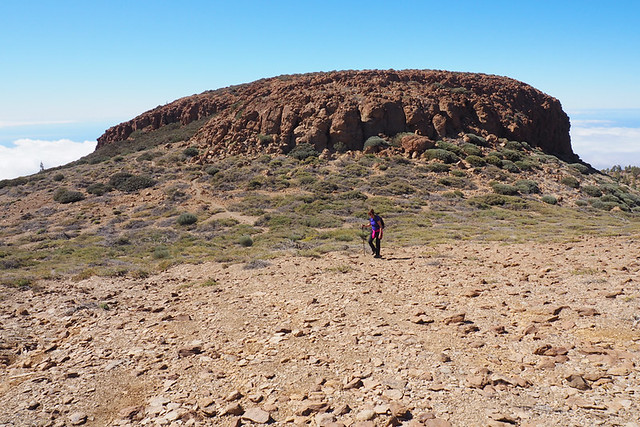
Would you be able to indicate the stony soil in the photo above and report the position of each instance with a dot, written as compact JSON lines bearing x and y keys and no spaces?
{"x":469,"y":334}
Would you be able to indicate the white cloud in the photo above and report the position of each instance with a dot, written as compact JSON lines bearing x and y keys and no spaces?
{"x":26,"y":154}
{"x":604,"y":147}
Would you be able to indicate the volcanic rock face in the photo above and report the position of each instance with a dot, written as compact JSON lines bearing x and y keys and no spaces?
{"x":340,"y":110}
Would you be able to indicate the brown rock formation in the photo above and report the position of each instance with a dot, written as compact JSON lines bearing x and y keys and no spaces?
{"x":342,"y":109}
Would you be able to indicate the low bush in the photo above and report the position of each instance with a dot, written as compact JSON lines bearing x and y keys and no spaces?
{"x":438,"y":167}
{"x":471,"y":150}
{"x":591,"y":190}
{"x":265,"y":139}
{"x":476,"y":161}
{"x":452,"y":181}
{"x":570,"y":181}
{"x":580,"y":167}
{"x":508,"y":165}
{"x":488,"y":200}
{"x":190,"y":152}
{"x":512,"y":155}
{"x":58,"y":177}
{"x":450,"y":147}
{"x":493,"y":160}
{"x":525,"y":165}
{"x":245,"y":241}
{"x":504,"y":189}
{"x":477,"y":140}
{"x":98,"y":189}
{"x":63,"y":195}
{"x":375,"y":142}
{"x":303,"y":151}
{"x":212,"y":170}
{"x":527,"y":186}
{"x":443,"y":155}
{"x":161,"y":252}
{"x":130,"y":183}
{"x":549,"y":199}
{"x":187,"y":219}
{"x":513,"y":145}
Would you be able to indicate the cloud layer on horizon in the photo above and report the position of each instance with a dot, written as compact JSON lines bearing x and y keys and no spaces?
{"x":24,"y":157}
{"x":603,"y":146}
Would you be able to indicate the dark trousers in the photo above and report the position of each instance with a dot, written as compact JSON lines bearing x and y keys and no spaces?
{"x":375,"y":248}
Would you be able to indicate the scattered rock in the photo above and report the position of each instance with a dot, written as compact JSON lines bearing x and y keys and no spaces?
{"x":233,"y":409}
{"x":256,"y":415}
{"x":77,"y":418}
{"x":577,"y":381}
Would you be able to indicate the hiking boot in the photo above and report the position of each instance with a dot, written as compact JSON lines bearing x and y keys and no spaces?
{"x":377,"y":256}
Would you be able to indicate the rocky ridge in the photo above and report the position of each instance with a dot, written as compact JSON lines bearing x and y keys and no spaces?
{"x":339,"y":111}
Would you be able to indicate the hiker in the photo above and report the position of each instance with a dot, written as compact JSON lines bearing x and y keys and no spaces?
{"x":377,"y":225}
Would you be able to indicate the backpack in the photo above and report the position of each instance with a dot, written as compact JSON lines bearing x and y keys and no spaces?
{"x":381,"y":221}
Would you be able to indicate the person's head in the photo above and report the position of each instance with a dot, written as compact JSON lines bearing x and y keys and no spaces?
{"x":371,"y":213}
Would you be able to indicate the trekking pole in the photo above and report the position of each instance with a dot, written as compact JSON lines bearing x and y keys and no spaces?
{"x":363,"y":236}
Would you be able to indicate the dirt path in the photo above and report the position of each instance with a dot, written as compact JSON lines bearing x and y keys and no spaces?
{"x":471,"y":334}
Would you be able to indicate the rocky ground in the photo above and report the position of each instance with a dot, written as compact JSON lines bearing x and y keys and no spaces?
{"x":470,"y":334}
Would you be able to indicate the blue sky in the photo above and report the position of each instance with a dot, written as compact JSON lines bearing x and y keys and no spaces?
{"x":70,"y":69}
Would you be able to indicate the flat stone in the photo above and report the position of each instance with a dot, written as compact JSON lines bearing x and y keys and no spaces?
{"x":256,"y":415}
{"x":437,"y":422}
{"x":393,"y":394}
{"x":576,"y":381}
{"x":233,"y":409}
{"x":366,"y":415}
{"x":78,"y":418}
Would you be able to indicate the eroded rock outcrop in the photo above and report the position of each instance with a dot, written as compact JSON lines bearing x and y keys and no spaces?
{"x":340,"y":110}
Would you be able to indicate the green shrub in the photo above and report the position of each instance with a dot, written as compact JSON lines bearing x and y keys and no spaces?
{"x":488,"y":200}
{"x":375,"y":142}
{"x":161,"y":252}
{"x":450,"y":147}
{"x":504,"y":189}
{"x":130,"y":183}
{"x":477,"y":140}
{"x":513,"y":145}
{"x":570,"y":181}
{"x":582,"y":203}
{"x":493,"y":160}
{"x":187,"y":219}
{"x":476,"y":161}
{"x":58,"y":177}
{"x":512,"y":155}
{"x":63,"y":195}
{"x":527,"y":186}
{"x":443,"y":155}
{"x":190,"y":152}
{"x":508,"y":165}
{"x":98,"y":189}
{"x":580,"y":167}
{"x":340,"y":147}
{"x":265,"y":139}
{"x":452,"y":181}
{"x":212,"y":170}
{"x":438,"y":167}
{"x":549,"y":199}
{"x":303,"y":151}
{"x":525,"y":165}
{"x":591,"y":190}
{"x":245,"y":241}
{"x":471,"y":150}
